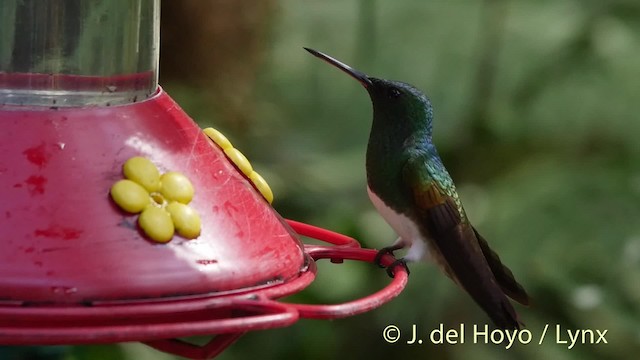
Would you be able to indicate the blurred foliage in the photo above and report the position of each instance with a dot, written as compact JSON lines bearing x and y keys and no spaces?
{"x":537,"y":120}
{"x":215,"y":48}
{"x":536,"y":117}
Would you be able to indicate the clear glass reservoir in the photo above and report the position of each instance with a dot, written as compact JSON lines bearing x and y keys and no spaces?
{"x":78,"y":52}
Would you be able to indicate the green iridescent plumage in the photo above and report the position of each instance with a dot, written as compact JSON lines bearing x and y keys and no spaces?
{"x":410,"y":187}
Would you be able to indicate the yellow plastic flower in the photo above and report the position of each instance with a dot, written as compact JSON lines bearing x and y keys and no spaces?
{"x":241,"y":162}
{"x":161,"y":200}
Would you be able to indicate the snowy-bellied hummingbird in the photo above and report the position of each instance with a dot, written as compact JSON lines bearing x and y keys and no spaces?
{"x":412,"y":190}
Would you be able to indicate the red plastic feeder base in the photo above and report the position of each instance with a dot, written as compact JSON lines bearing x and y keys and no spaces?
{"x":227,"y":317}
{"x":77,"y":269}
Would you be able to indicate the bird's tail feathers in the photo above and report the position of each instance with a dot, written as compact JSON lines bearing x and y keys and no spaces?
{"x":503,"y":275}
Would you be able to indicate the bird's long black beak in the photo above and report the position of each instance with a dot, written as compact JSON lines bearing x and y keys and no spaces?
{"x":358,"y":75}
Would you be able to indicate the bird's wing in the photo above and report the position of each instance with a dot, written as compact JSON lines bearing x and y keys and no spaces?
{"x":440,"y":215}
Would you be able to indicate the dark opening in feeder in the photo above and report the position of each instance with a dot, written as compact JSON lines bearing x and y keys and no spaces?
{"x":78,"y":100}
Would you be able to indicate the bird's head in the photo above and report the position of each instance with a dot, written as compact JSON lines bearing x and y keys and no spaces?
{"x":392,"y":100}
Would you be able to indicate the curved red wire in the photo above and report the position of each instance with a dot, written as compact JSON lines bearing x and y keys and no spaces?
{"x":346,"y":250}
{"x":322,"y":234}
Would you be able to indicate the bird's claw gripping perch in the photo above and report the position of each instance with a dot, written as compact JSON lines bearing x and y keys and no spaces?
{"x":389,"y":250}
{"x":382,"y":252}
{"x":393,"y":265}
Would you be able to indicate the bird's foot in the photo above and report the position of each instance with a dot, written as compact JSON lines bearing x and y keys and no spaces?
{"x":384,"y":251}
{"x":389,"y":250}
{"x":393,"y":265}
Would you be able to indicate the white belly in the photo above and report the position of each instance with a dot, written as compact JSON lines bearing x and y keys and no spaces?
{"x":409,"y":235}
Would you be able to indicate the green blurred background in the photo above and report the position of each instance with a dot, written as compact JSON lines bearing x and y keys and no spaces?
{"x":536,"y":118}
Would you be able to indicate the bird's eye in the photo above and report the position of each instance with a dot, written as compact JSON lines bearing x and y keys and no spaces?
{"x":394,"y":93}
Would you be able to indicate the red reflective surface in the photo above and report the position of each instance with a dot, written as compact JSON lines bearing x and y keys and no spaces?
{"x":159,"y":325}
{"x":64,"y":241}
{"x":76,"y":269}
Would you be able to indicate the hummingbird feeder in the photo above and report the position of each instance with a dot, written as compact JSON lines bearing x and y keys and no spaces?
{"x":122,"y":220}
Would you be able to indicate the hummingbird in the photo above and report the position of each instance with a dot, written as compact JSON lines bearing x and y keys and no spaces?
{"x":413,"y":191}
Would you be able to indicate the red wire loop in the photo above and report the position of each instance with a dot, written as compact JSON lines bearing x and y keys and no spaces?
{"x":347,"y":249}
